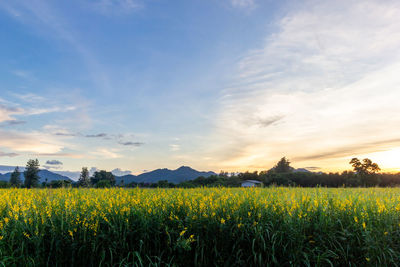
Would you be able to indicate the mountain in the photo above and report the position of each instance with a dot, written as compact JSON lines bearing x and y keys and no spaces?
{"x":73,"y":175}
{"x":43,"y":174}
{"x":181,"y":174}
{"x":300,"y":170}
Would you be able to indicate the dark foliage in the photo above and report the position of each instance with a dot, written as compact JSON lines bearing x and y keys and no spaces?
{"x":103,"y":175}
{"x":31,"y":173}
{"x":15,"y":180}
{"x":84,"y":179}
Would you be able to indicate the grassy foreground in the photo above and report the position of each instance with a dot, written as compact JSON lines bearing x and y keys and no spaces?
{"x":204,"y":227}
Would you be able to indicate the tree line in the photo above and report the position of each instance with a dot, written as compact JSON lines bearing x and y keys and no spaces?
{"x":32,"y":178}
{"x":365,"y":173}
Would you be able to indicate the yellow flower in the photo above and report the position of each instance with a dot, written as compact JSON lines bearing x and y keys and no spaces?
{"x":183,"y":232}
{"x":222,"y":221}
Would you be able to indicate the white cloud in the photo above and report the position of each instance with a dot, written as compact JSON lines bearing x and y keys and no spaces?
{"x":106,"y":153}
{"x":93,"y":170}
{"x":119,"y":172}
{"x":174,"y":147}
{"x":33,"y":105}
{"x":7,"y":112}
{"x":34,"y":142}
{"x":8,"y":154}
{"x":326,"y":81}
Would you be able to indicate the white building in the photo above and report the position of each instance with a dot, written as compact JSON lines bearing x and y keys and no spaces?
{"x":251,"y":183}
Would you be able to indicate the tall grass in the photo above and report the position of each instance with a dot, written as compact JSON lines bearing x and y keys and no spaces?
{"x":203,"y":227}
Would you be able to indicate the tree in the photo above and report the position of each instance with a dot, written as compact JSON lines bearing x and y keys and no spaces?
{"x":31,"y":173}
{"x":248,"y":175}
{"x":103,"y":175}
{"x":84,"y":179}
{"x":366,"y":170}
{"x":364,"y":167}
{"x":283,"y":166}
{"x":59,"y":183}
{"x":103,"y":184}
{"x":15,"y":180}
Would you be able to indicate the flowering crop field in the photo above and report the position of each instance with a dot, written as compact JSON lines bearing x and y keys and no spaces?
{"x":203,"y":227}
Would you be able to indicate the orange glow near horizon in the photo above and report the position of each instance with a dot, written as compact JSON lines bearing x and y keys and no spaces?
{"x":387,"y":160}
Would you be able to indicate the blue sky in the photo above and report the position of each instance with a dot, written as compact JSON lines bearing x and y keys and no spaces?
{"x":217,"y":85}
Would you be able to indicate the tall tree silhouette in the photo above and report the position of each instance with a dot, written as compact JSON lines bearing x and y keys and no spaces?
{"x":31,"y":173}
{"x":15,"y":179}
{"x":84,"y":179}
{"x":366,"y":170}
{"x":283,"y":166}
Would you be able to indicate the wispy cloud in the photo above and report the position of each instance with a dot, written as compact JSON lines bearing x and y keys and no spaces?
{"x":12,"y":123}
{"x":32,"y":105}
{"x":54,"y":162}
{"x":65,"y":134}
{"x":60,"y":154}
{"x":33,"y":141}
{"x":131,"y":143}
{"x":174,"y":147}
{"x":99,"y":135}
{"x":267,"y":121}
{"x":116,"y":7}
{"x":23,"y":74}
{"x":29,"y":97}
{"x":106,"y":153}
{"x":7,"y":112}
{"x":317,"y":84}
{"x":8,"y":154}
{"x":118,"y":138}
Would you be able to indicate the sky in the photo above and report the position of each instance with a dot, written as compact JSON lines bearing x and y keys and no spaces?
{"x":233,"y":85}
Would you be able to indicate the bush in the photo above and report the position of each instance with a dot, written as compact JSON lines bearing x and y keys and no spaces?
{"x":103,"y":184}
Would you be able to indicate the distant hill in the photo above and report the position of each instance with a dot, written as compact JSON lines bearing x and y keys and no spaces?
{"x":43,"y":174}
{"x":181,"y":174}
{"x":300,"y":170}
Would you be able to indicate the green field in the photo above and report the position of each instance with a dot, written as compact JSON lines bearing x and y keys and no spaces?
{"x":204,"y":227}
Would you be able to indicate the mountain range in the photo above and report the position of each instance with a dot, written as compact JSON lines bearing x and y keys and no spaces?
{"x":181,"y":174}
{"x":43,"y":174}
